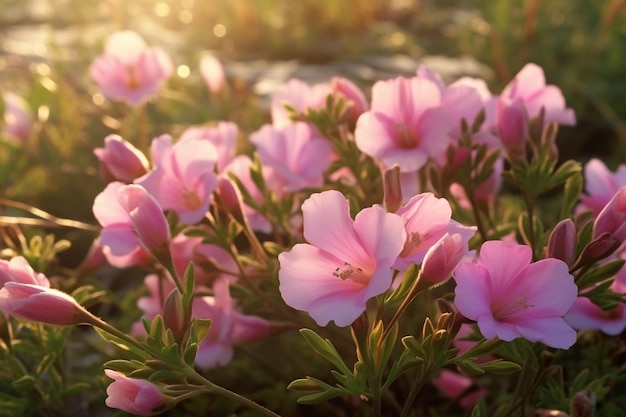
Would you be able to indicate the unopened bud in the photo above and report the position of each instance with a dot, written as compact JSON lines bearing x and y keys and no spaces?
{"x":392,"y":189}
{"x":583,"y":404}
{"x":562,"y":241}
{"x":174,"y":313}
{"x":603,"y":246}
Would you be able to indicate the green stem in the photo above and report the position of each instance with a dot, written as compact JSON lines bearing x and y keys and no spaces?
{"x":415,"y":389}
{"x":531,"y":213}
{"x":226,"y":393}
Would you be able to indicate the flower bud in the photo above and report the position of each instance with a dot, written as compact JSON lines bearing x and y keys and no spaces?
{"x":148,"y":220}
{"x":512,"y":122}
{"x":612,"y":218}
{"x":603,"y":246}
{"x":40,"y":304}
{"x":583,"y":404}
{"x":442,"y":258}
{"x":19,"y":270}
{"x":120,"y":160}
{"x":562,"y":241}
{"x":392,"y":189}
{"x":174,"y":313}
{"x":135,"y":396}
{"x":354,"y":96}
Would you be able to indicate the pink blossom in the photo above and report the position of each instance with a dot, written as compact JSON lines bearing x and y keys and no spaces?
{"x":206,"y":257}
{"x":183,"y":177}
{"x":426,"y":220}
{"x":529,"y":86}
{"x":511,"y":297}
{"x":121,"y":246}
{"x":585,"y":315}
{"x":344,"y":264}
{"x":612,"y":218}
{"x":298,"y":95}
{"x":17,"y":269}
{"x":457,"y":386}
{"x":135,"y":396}
{"x":297,"y":152}
{"x":229,"y":326}
{"x":129,"y":70}
{"x":406,"y":125}
{"x":212,"y":73}
{"x":222,"y":135}
{"x":240,"y":168}
{"x":352,"y":95}
{"x":147,"y":218}
{"x":18,"y":117}
{"x":120,"y":160}
{"x":600,"y":185}
{"x":39,"y":303}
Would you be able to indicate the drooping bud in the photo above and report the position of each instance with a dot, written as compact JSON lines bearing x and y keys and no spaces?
{"x":442,"y":258}
{"x":603,"y":246}
{"x":135,"y":396}
{"x":40,"y":304}
{"x":562,"y":241}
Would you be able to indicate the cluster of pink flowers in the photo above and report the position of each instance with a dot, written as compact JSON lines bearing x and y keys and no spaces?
{"x":162,"y":211}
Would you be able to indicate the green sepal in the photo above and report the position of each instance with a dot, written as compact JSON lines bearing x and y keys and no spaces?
{"x":410,"y":275}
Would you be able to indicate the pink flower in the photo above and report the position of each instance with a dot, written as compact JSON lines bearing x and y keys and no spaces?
{"x":298,"y":95}
{"x":585,"y":315}
{"x":240,"y":168}
{"x":147,"y":218}
{"x":223,"y":136}
{"x":129,"y":70}
{"x":297,"y":152}
{"x":406,"y":125}
{"x":344,"y":264}
{"x":120,"y":160}
{"x":18,"y":117}
{"x":212,"y":73}
{"x":352,"y":95}
{"x":120,"y":243}
{"x":529,"y":86}
{"x":135,"y":396}
{"x":39,"y":303}
{"x":229,"y":326}
{"x":183,"y":177}
{"x":17,"y":269}
{"x":511,"y":297}
{"x":600,"y":185}
{"x":426,"y":220}
{"x":206,"y":257}
{"x":456,"y":386}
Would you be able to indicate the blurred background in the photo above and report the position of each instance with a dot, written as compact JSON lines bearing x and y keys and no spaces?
{"x":46,"y":47}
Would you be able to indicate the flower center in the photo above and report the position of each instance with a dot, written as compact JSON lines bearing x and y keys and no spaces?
{"x":191,"y":199}
{"x":132,"y":80}
{"x":407,"y":139}
{"x":413,"y":241}
{"x":347,"y":271}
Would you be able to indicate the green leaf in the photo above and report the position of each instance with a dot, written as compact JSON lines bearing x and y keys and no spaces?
{"x":123,"y":366}
{"x":571,"y":194}
{"x":410,"y":275}
{"x":319,"y":390}
{"x":25,"y":383}
{"x":45,"y":363}
{"x":600,"y":273}
{"x":500,"y":367}
{"x":415,"y":347}
{"x":325,"y":348}
{"x":122,"y":344}
{"x":470,"y":367}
